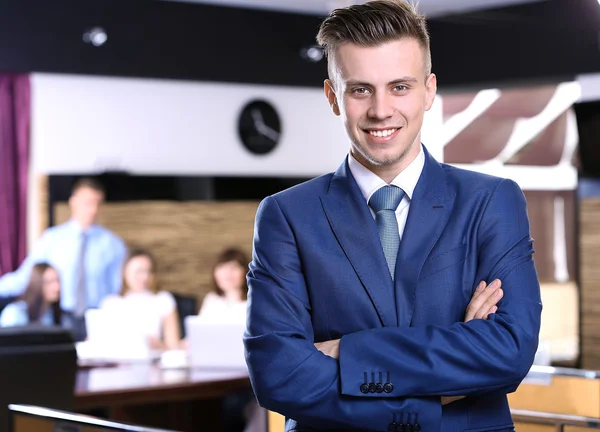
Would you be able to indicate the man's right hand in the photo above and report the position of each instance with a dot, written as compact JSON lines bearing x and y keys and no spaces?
{"x":484,"y":302}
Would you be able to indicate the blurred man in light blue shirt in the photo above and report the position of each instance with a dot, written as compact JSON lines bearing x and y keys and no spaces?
{"x":87,"y":256}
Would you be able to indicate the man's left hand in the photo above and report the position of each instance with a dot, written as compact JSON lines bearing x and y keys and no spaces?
{"x":330,"y":348}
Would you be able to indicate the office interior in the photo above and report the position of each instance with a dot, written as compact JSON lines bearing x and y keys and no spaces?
{"x":154,"y":99}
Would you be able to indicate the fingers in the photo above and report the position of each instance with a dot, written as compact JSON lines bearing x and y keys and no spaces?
{"x":484,"y":299}
{"x":493,"y":310}
{"x":491,"y":301}
{"x":479,"y":288}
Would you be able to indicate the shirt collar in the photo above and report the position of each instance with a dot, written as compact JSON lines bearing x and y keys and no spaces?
{"x":369,"y":182}
{"x":76,"y":228}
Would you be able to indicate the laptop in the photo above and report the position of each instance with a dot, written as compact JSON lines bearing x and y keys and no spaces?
{"x":215,"y":344}
{"x":114,"y":335}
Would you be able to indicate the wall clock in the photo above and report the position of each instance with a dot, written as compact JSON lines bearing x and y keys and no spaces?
{"x":259,"y":127}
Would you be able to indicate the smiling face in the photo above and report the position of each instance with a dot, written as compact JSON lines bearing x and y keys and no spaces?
{"x":381,"y":93}
{"x":139,"y":274}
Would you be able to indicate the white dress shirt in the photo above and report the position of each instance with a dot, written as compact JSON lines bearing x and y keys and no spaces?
{"x":369,"y":182}
{"x":146,"y":309}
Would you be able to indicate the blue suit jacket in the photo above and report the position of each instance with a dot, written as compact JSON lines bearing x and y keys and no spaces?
{"x":319,"y":273}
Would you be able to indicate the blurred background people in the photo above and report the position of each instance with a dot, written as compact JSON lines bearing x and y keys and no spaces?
{"x":227,"y":301}
{"x":87,"y":257}
{"x":39,"y":304}
{"x":154,"y":311}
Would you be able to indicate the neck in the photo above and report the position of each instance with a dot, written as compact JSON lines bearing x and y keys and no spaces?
{"x":83,"y":225}
{"x":233,"y":297}
{"x":137,"y":291}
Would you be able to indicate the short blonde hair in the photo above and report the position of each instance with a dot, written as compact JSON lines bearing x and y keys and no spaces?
{"x":374,"y":23}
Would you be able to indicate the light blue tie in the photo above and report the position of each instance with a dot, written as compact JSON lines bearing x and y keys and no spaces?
{"x":384,"y":203}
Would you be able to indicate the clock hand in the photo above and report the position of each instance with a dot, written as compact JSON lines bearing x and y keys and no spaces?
{"x":268,"y":132}
{"x":257,"y":117}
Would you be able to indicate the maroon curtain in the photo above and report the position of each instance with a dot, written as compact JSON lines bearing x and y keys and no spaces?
{"x":15,"y":112}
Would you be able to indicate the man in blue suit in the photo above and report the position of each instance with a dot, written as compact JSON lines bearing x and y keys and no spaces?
{"x":360,"y":279}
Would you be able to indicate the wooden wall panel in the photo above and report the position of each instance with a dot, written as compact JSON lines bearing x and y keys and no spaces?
{"x":185,"y":237}
{"x":590,"y":282}
{"x":42,"y":191}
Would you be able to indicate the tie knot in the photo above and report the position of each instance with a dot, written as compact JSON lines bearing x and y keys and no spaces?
{"x":386,"y":198}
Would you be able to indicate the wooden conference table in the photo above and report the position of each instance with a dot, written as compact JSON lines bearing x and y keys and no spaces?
{"x":146,"y":394}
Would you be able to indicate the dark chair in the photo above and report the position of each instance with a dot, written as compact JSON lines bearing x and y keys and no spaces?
{"x":186,"y":305}
{"x":38,"y":366}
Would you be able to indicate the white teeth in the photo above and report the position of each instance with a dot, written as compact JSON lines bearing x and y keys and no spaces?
{"x":383,"y":133}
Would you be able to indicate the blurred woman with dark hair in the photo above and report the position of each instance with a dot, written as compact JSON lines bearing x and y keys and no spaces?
{"x":227,"y":301}
{"x":39,"y":304}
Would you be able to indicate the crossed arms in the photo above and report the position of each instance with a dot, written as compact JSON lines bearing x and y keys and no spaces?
{"x":291,"y":376}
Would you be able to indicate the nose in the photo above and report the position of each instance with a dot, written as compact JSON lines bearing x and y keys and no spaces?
{"x":381,"y":107}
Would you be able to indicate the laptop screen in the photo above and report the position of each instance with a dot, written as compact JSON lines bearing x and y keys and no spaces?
{"x":27,"y":418}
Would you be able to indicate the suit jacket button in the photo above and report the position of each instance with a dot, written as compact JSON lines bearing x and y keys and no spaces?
{"x":379,"y":388}
{"x":393,"y":427}
{"x":388,"y":387}
{"x":372,"y":388}
{"x":417,"y":427}
{"x":364,"y":388}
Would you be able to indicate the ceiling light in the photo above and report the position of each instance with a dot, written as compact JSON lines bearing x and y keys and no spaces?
{"x":96,"y":36}
{"x":314,"y":53}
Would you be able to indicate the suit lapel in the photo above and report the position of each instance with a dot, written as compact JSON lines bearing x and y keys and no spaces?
{"x":430,"y":208}
{"x":355,"y":229}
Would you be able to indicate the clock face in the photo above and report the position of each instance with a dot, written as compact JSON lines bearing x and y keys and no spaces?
{"x":259,"y":127}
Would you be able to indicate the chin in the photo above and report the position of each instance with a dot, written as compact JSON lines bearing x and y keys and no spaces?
{"x":382,"y":158}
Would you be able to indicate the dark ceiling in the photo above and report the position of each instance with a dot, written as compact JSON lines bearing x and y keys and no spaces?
{"x":537,"y":42}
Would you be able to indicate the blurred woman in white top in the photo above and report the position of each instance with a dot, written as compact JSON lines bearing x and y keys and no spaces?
{"x":151,"y":310}
{"x":227,"y":301}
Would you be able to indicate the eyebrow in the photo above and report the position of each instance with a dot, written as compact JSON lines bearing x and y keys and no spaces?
{"x":402,"y":80}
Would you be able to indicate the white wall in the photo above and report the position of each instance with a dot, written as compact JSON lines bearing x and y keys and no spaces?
{"x":90,"y":124}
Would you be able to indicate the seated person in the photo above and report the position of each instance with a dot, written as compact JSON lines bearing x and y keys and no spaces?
{"x":228,"y":299}
{"x":140,"y":296}
{"x":227,"y":303}
{"x":39,"y":304}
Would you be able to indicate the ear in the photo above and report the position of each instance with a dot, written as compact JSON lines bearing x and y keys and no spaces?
{"x":430,"y":91}
{"x":331,"y":97}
